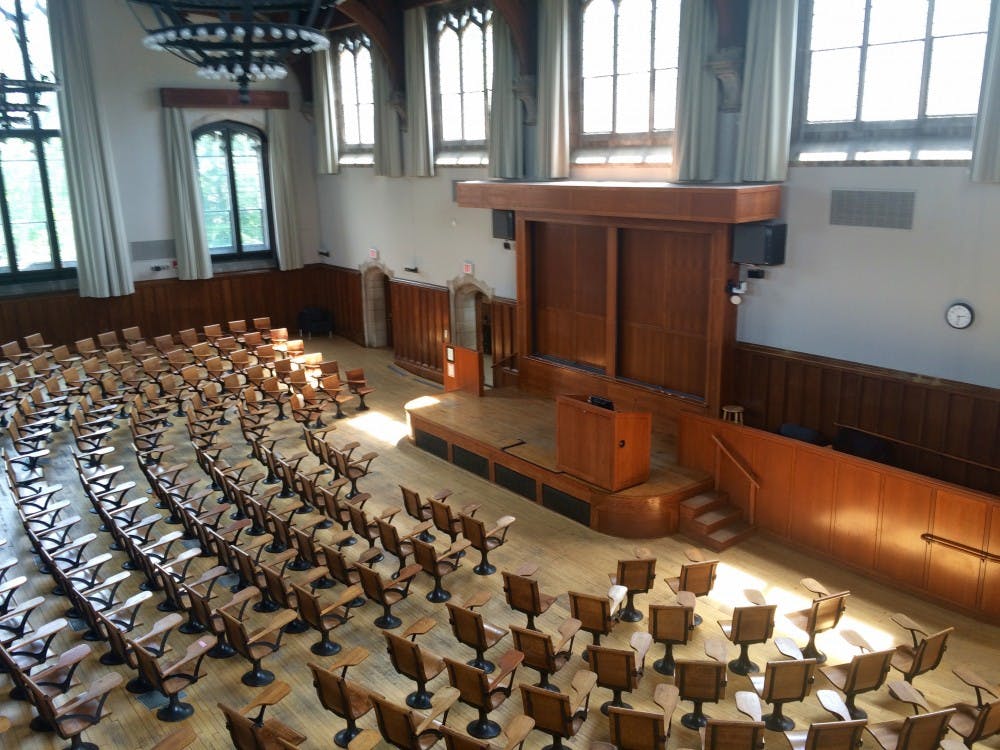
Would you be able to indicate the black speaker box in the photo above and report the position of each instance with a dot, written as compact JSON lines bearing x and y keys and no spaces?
{"x":503,"y":224}
{"x":761,"y":243}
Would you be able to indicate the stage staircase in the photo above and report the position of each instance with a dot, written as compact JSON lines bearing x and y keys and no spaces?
{"x":710,"y":518}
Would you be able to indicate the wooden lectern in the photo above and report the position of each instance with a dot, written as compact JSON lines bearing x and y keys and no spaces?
{"x":607,"y":448}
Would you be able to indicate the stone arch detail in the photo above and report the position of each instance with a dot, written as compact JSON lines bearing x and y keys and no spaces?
{"x":373,"y":273}
{"x":462,"y":291}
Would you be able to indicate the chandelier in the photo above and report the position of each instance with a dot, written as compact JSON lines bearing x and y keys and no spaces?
{"x":243,"y":41}
{"x":20,"y":98}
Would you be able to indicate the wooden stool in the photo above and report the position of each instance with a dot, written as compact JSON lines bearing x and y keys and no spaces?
{"x":732,"y":413}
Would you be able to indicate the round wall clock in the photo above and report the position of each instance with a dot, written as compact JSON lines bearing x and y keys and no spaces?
{"x":959,"y":315}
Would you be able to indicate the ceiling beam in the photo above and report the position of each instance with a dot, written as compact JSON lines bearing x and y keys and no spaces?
{"x":522,"y":19}
{"x":382,"y":21}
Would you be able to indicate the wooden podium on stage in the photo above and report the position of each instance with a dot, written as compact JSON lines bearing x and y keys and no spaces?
{"x":605,"y":447}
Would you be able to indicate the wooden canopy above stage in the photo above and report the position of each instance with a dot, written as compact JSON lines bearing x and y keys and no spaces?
{"x":622,"y":287}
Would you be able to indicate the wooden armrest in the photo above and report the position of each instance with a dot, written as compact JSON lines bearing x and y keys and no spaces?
{"x":748,"y":703}
{"x":470,"y":509}
{"x":904,"y":691}
{"x":389,"y":513}
{"x":527,"y":569}
{"x":240,"y":597}
{"x":421,"y":626}
{"x":408,"y":572}
{"x":194,"y":651}
{"x":517,"y":730}
{"x":442,"y":701}
{"x":502,"y":523}
{"x":459,"y":546}
{"x":641,"y":642}
{"x":177,"y":740}
{"x":278,"y":621}
{"x":971,"y":678}
{"x":160,"y":627}
{"x":787,"y":647}
{"x":442,"y":494}
{"x":374,"y":552}
{"x":507,"y":663}
{"x":814,"y":586}
{"x":686,"y":599}
{"x":369,"y":739}
{"x":666,"y":696}
{"x":101,"y":686}
{"x":856,"y":639}
{"x":420,"y":528}
{"x":695,"y":555}
{"x":349,"y":594}
{"x":567,"y":631}
{"x":754,"y":597}
{"x":617,"y":594}
{"x":949,"y":744}
{"x":717,"y":648}
{"x":477,"y":599}
{"x":832,"y":702}
{"x":583,"y":682}
{"x":349,"y":658}
{"x":907,"y":623}
{"x":269,"y":696}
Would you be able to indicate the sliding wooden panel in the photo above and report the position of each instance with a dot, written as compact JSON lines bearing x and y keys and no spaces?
{"x":941,"y":428}
{"x":569,"y":263}
{"x":420,"y":316}
{"x":663,"y":309}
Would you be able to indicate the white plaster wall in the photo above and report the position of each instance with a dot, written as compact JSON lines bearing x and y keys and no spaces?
{"x":411,"y":222}
{"x":878,"y":296}
{"x":129,"y":78}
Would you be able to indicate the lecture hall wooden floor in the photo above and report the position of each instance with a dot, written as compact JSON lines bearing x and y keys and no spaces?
{"x":571,"y":556}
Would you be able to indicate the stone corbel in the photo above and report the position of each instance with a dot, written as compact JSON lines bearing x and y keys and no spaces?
{"x":525,"y":88}
{"x":397,"y":100}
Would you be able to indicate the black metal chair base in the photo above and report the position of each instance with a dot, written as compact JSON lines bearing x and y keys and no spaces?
{"x":811,"y":652}
{"x":192,"y":627}
{"x":483,"y":664}
{"x":438,"y":595}
{"x":426,"y":536}
{"x":631,"y":614}
{"x":616,"y":702}
{"x":38,"y":724}
{"x":344,"y":736}
{"x":111,"y":659}
{"x":388,"y":622}
{"x":323,"y":583}
{"x":295,"y":627}
{"x":325,"y":648}
{"x":855,"y":712}
{"x":350,"y":541}
{"x":664,"y":666}
{"x":485,"y":569}
{"x":175,"y":710}
{"x":777,"y":722}
{"x":258,"y":677}
{"x":483,"y":729}
{"x":357,"y":602}
{"x":222,"y":651}
{"x":697,"y":620}
{"x":743,"y":666}
{"x":419,"y":698}
{"x":695,"y":720}
{"x":139,"y":685}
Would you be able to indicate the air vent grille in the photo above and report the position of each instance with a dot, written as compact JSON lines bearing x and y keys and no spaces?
{"x":886,"y":209}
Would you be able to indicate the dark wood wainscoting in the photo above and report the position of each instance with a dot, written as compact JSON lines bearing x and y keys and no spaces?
{"x":936,"y":427}
{"x":503,"y":319}
{"x":929,"y":536}
{"x":170,"y":305}
{"x":420,"y":317}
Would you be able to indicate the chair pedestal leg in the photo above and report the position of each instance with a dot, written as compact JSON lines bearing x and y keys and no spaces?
{"x":420,"y":698}
{"x":482,"y":728}
{"x":387,"y":621}
{"x":696,"y":719}
{"x":344,"y":736}
{"x":484,"y":568}
{"x":257,"y":677}
{"x":545,"y":684}
{"x":481,"y":663}
{"x":556,"y":743}
{"x":175,"y":710}
{"x":363,"y":406}
{"x":811,"y":652}
{"x":856,"y":713}
{"x":111,"y":659}
{"x":138,"y":685}
{"x":666,"y":664}
{"x":743,"y":665}
{"x":425,"y":536}
{"x":354,"y":488}
{"x":295,"y":626}
{"x":221,"y":650}
{"x":437,"y":595}
{"x":630,"y":613}
{"x":616,"y":701}
{"x":325,"y":647}
{"x":776,"y":721}
{"x":596,"y":642}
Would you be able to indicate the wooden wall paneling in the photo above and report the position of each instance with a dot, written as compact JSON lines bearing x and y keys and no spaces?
{"x":990,"y":600}
{"x":420,"y":315}
{"x":731,"y":479}
{"x":906,"y":514}
{"x":812,"y":499}
{"x":503,"y":317}
{"x":856,"y":514}
{"x":954,"y":575}
{"x":775,"y":460}
{"x":611,"y":301}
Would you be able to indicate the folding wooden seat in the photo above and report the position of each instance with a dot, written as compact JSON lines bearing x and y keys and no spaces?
{"x":438,"y":564}
{"x":523,"y":594}
{"x":544,"y":654}
{"x":698,"y":577}
{"x":866,"y":672}
{"x":386,"y":593}
{"x":409,"y":730}
{"x":750,"y":625}
{"x":823,"y":614}
{"x":637,"y":576}
{"x":784,"y":682}
{"x":699,"y":682}
{"x":484,"y":693}
{"x":253,"y":645}
{"x":170,"y":679}
{"x":470,"y":629}
{"x":323,"y":617}
{"x":334,"y":390}
{"x":619,"y":670}
{"x":557,"y":714}
{"x":598,"y":615}
{"x":342,"y":571}
{"x":237,"y":327}
{"x":258,"y":733}
{"x":974,"y":723}
{"x":921,"y":732}
{"x":132,"y":335}
{"x":925,"y":653}
{"x":262,"y":326}
{"x":355,"y":469}
{"x":411,"y":660}
{"x":483,"y":540}
{"x":828,"y":735}
{"x":340,"y":696}
{"x":446,"y":521}
{"x":419,"y":510}
{"x":367,"y":529}
{"x":641,"y":730}
{"x":12,"y":352}
{"x":400,"y":546}
{"x":36,"y":344}
{"x":515,"y":731}
{"x":671,"y":624}
{"x":71,"y":715}
{"x":357,"y":383}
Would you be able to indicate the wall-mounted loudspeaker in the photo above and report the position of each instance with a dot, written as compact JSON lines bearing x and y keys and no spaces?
{"x":503,"y":224}
{"x":761,"y":243}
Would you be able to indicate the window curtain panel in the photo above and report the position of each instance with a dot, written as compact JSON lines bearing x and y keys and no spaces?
{"x":986,"y":144}
{"x":281,"y":172}
{"x":104,"y":261}
{"x":553,"y":89}
{"x":506,"y":141}
{"x":325,"y":114}
{"x":388,"y":132}
{"x":186,"y":215}
{"x":697,"y":94}
{"x":768,"y":81}
{"x":419,"y":134}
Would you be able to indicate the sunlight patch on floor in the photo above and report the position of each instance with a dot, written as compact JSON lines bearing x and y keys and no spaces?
{"x":381,"y":427}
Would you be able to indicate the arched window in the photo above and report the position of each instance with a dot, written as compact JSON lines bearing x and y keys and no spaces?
{"x":36,"y":226}
{"x":464,"y":74}
{"x":355,"y":94}
{"x":628,"y":71}
{"x":232,"y":174}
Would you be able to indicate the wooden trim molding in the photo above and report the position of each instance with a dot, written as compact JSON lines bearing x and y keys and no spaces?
{"x":222,"y":99}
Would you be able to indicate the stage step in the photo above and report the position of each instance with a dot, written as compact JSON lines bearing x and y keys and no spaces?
{"x":713,"y":521}
{"x":692,"y":507}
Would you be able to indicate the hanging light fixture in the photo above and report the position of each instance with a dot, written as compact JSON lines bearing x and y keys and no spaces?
{"x":237,"y":40}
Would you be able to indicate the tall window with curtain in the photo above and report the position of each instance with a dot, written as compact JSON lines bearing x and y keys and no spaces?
{"x":463,"y":76}
{"x":356,"y":99}
{"x":889,"y":79}
{"x":36,"y":237}
{"x":627,"y":82}
{"x":232,"y":167}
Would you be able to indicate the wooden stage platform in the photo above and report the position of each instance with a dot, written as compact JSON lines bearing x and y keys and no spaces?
{"x":509,"y":438}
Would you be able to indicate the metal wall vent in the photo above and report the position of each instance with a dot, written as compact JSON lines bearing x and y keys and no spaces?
{"x":887,"y":209}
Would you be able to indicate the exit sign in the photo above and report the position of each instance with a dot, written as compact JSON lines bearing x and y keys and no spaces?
{"x":467,"y":268}
{"x":373,"y":253}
